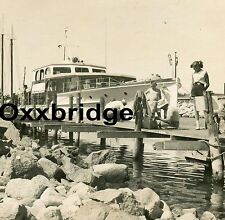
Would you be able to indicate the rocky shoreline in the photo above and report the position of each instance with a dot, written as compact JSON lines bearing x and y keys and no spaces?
{"x":58,"y":184}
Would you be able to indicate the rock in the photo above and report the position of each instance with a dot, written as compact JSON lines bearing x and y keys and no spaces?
{"x":167,"y":214}
{"x":151,"y":201}
{"x":89,"y":177}
{"x":4,"y":148}
{"x":61,"y":190}
{"x":26,"y":191}
{"x":82,"y":190}
{"x":114,"y":173}
{"x":192,"y":210}
{"x":6,"y":169}
{"x":187,"y":216}
{"x":37,"y":206}
{"x":100,"y":157}
{"x":70,"y":206}
{"x":130,"y":205}
{"x":26,"y":142}
{"x":45,"y":152}
{"x":30,"y":216}
{"x":10,"y":209}
{"x":66,"y":184}
{"x":177,"y":212}
{"x":207,"y":216}
{"x":51,"y":169}
{"x":107,"y":196}
{"x":69,"y":168}
{"x":12,"y":133}
{"x":3,"y":180}
{"x":24,"y":165}
{"x":118,"y":215}
{"x":96,"y":211}
{"x":51,"y":198}
{"x":50,"y":213}
{"x":35,"y":145}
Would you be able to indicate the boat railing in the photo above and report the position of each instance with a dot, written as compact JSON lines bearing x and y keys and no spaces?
{"x":99,"y":83}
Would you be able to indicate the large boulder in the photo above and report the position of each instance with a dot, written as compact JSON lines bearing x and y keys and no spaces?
{"x":4,"y":147}
{"x":100,"y":157}
{"x":187,"y":216}
{"x":167,"y":214}
{"x":107,"y":196}
{"x":125,"y":201}
{"x":82,"y":190}
{"x":113,"y":173}
{"x":151,"y":201}
{"x":24,"y":164}
{"x":49,"y":213}
{"x":12,"y":133}
{"x":69,"y":168}
{"x":37,"y":206}
{"x":118,"y":215}
{"x":26,"y":191}
{"x":51,"y":198}
{"x":92,"y":211}
{"x":10,"y":209}
{"x":89,"y":177}
{"x":51,"y":169}
{"x":70,"y":205}
{"x":207,"y":216}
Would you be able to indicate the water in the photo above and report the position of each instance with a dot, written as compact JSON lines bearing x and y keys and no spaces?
{"x":177,"y":182}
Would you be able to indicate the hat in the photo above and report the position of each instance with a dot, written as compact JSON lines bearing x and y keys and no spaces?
{"x":197,"y":63}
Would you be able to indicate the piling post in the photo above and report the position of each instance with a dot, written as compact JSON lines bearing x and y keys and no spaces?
{"x":78,"y":101}
{"x":34,"y":102}
{"x":71,"y":133}
{"x":102,"y":107}
{"x":55,"y":134}
{"x":138,"y":114}
{"x":214,"y":143}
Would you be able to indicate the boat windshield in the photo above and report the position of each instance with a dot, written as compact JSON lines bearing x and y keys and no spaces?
{"x":58,"y":70}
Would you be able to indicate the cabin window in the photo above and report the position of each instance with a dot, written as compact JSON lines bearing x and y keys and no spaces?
{"x":41,"y":74}
{"x":58,"y":70}
{"x":98,"y":70}
{"x":36,"y":75}
{"x":47,"y":71}
{"x":81,"y":70}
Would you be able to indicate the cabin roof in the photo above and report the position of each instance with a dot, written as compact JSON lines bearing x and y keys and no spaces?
{"x":90,"y":74}
{"x":70,"y":64}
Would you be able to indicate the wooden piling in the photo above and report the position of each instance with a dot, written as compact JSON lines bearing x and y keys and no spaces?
{"x":78,"y":101}
{"x":55,"y":134}
{"x":34,"y":129}
{"x":214,"y":143}
{"x":138,"y":113}
{"x":71,"y":133}
{"x":102,"y":107}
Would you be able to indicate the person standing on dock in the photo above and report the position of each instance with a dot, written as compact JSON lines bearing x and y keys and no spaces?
{"x":153,"y":95}
{"x":200,"y":83}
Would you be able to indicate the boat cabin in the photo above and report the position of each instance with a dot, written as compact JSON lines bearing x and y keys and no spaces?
{"x":65,"y":78}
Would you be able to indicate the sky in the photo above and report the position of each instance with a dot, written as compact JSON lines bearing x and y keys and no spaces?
{"x":128,"y":36}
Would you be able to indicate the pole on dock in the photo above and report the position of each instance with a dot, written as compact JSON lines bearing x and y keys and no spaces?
{"x":2,"y":71}
{"x":71,"y":133}
{"x":34,"y":102}
{"x":55,"y":134}
{"x":214,"y":143}
{"x":138,"y":114}
{"x":102,"y":107}
{"x":78,"y":101}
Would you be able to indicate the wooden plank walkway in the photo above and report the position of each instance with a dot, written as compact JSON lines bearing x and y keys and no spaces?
{"x":125,"y":129}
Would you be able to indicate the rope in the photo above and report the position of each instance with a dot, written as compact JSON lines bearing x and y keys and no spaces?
{"x":212,"y":145}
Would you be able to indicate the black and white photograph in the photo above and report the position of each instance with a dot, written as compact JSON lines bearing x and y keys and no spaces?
{"x":112,"y":109}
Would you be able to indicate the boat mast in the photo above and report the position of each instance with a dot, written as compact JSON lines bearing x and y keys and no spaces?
{"x":2,"y":70}
{"x":175,"y":64}
{"x":11,"y":54}
{"x":65,"y":44}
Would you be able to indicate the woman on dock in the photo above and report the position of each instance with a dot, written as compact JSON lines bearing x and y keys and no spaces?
{"x":200,"y":83}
